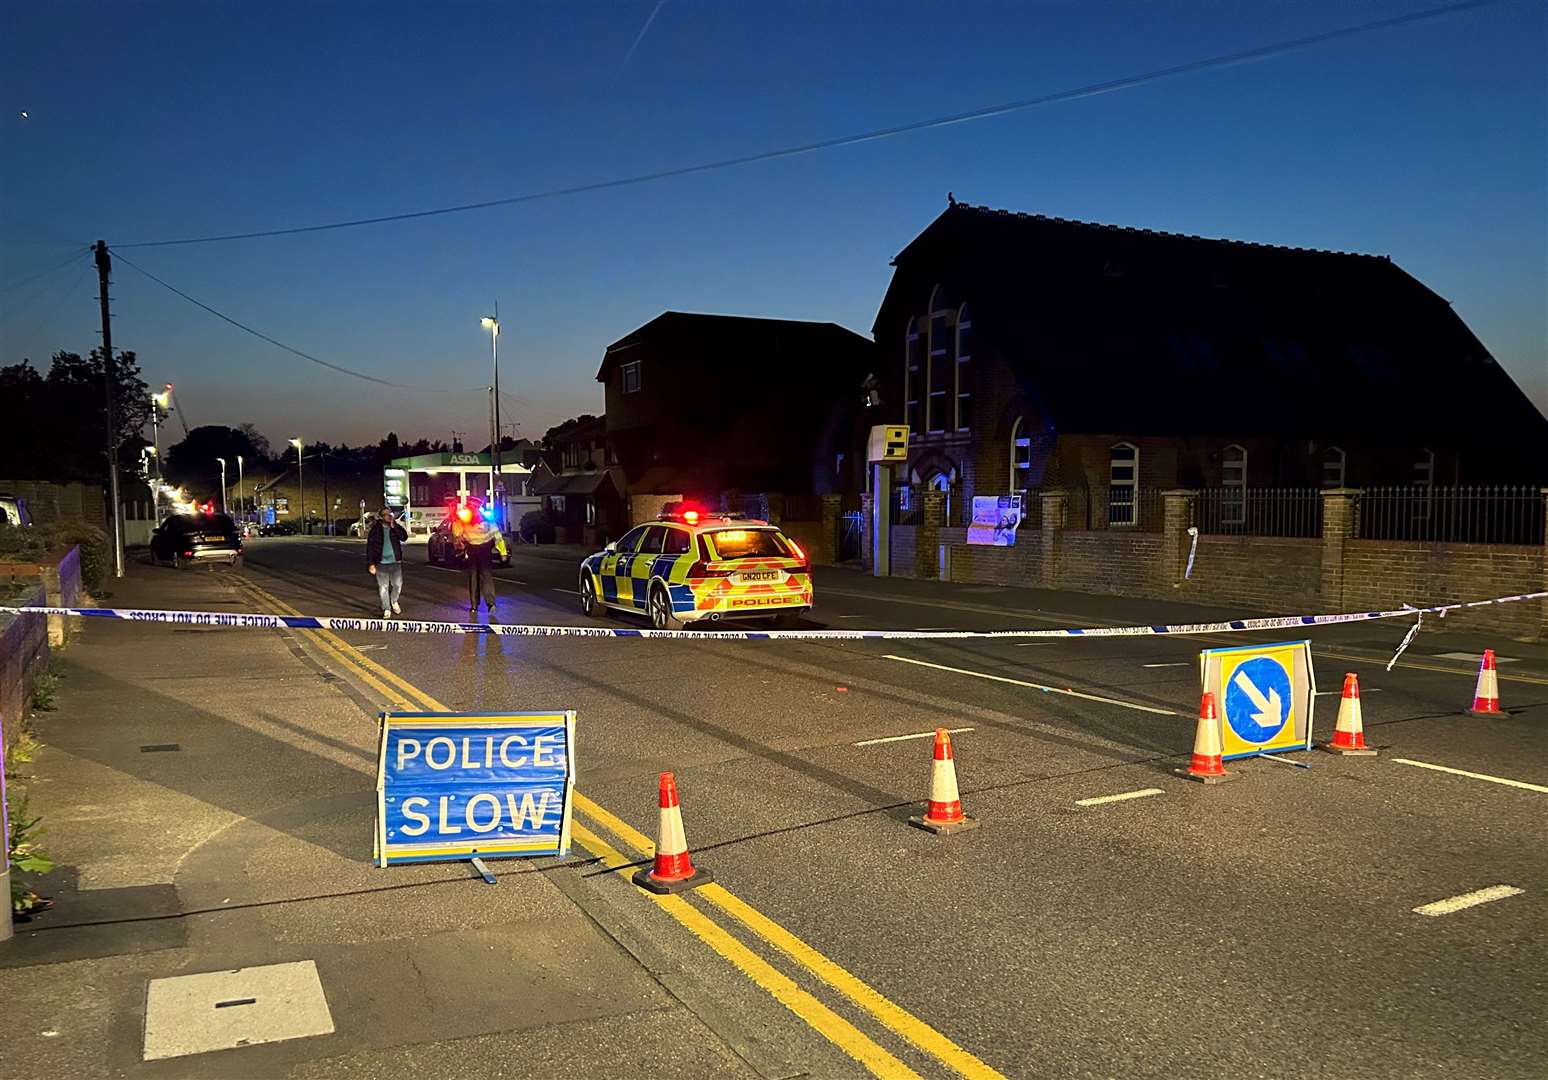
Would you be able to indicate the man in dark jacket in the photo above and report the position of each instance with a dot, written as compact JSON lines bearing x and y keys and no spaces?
{"x":384,"y":556}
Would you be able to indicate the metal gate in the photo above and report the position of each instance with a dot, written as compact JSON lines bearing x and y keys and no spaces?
{"x":851,"y":536}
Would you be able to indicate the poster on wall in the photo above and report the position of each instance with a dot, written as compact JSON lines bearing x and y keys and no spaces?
{"x":995,"y":520}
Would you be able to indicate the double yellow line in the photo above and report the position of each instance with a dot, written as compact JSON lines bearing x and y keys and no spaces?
{"x":400,"y":693}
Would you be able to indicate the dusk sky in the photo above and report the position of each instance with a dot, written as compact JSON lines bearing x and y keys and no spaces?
{"x":150,"y":121}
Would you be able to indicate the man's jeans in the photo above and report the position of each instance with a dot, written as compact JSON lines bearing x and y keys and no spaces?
{"x":389,"y":582}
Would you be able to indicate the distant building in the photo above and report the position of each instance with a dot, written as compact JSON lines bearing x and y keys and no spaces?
{"x":581,"y":485}
{"x":1026,"y":351}
{"x":701,"y":405}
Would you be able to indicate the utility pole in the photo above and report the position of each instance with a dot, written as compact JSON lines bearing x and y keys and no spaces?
{"x":327,"y":506}
{"x":110,"y":377}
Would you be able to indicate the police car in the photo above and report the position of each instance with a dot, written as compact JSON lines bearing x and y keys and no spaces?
{"x":694,"y":565}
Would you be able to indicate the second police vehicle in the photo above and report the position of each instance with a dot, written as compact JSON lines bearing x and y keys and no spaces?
{"x":698,"y":565}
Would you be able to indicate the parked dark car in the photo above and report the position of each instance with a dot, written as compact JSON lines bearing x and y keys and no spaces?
{"x":277,"y":528}
{"x":186,"y":539}
{"x":443,"y":552}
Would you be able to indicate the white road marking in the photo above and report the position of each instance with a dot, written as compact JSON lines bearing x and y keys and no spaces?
{"x":903,"y":738}
{"x":1467,"y":900}
{"x":922,"y":629}
{"x":1024,"y":644}
{"x":851,"y":616}
{"x":1472,"y":775}
{"x":1180,"y":663}
{"x":1476,"y":657}
{"x":1100,"y":799}
{"x":1033,"y":685}
{"x":1339,"y":692}
{"x":569,"y":592}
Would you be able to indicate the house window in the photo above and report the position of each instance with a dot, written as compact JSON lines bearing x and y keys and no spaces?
{"x":1021,"y":455}
{"x":1233,"y":477}
{"x":964,"y":357}
{"x":630,"y":374}
{"x":942,"y":365}
{"x":1122,"y":483}
{"x":556,"y":503}
{"x":1333,"y":461}
{"x":1424,"y":478}
{"x":913,"y":378}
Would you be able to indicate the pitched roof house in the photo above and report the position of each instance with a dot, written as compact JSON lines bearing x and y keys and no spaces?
{"x":1028,"y":351}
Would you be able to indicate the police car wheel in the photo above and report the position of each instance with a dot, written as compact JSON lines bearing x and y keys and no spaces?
{"x":588,"y":594}
{"x":661,"y":616}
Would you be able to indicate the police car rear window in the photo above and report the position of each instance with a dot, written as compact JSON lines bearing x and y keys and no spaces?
{"x":748,"y":544}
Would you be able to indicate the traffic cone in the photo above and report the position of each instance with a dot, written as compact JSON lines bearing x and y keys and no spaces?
{"x":1349,"y":733}
{"x":1207,"y":766}
{"x":944,"y":813}
{"x":673,"y":871}
{"x":1486,"y":698}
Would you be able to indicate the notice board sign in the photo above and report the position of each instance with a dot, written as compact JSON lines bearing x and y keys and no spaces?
{"x":995,"y":520}
{"x":1263,"y":696}
{"x":473,"y":785}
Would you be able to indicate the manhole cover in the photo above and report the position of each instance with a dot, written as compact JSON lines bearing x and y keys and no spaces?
{"x":221,"y":1010}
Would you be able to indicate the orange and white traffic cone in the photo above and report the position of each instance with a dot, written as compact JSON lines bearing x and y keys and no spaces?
{"x":944,"y":812}
{"x":1207,"y":765}
{"x":1486,"y":698}
{"x":673,"y":870}
{"x":1349,"y":733}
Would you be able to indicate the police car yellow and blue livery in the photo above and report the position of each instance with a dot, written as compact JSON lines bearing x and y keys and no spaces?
{"x":692,"y":565}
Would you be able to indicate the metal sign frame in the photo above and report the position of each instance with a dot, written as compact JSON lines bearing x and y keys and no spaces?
{"x":385,"y":854}
{"x":1303,"y":691}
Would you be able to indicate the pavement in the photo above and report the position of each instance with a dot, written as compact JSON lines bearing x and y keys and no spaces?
{"x":1261,"y":928}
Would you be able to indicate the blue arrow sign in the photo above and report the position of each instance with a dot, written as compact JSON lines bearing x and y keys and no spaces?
{"x":1257,"y":699}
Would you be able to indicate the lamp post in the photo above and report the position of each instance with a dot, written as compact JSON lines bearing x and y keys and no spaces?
{"x":158,"y":402}
{"x":224,"y":508}
{"x":492,"y":324}
{"x":300,"y":482}
{"x":241,"y":498}
{"x":147,"y":454}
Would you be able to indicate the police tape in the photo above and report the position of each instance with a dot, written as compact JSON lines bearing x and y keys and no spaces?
{"x":419,"y":626}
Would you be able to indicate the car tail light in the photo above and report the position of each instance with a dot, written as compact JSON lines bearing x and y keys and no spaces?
{"x":796,"y":548}
{"x":704,"y":570}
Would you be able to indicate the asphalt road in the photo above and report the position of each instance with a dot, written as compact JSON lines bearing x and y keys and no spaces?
{"x":1263,"y":928}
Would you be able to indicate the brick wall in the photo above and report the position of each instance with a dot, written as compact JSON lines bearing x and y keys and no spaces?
{"x":1020,"y":565}
{"x":1110,"y":561}
{"x":50,"y":503}
{"x":23,"y":654}
{"x":1380,"y":574}
{"x":1268,"y":573}
{"x":902,"y":551}
{"x":1332,"y":573}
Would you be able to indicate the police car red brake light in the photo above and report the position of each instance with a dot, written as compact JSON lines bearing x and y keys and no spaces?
{"x":795,"y":549}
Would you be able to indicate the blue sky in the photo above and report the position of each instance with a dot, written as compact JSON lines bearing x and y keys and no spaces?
{"x":157,"y":120}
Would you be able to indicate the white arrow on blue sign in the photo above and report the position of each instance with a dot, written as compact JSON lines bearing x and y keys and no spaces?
{"x":1255,"y":700}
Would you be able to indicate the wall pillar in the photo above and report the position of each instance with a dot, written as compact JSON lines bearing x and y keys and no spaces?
{"x":868,"y":521}
{"x":927,"y":537}
{"x":832,"y":514}
{"x":1542,"y":630}
{"x":1176,"y":517}
{"x":1056,"y":508}
{"x":1339,"y":509}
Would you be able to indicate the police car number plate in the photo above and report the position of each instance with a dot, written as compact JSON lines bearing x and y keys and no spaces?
{"x":758,"y":575}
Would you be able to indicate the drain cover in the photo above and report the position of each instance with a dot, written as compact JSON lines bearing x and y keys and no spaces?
{"x":221,"y":1010}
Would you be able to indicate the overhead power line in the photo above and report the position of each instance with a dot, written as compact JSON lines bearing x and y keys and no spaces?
{"x":290,"y":348}
{"x":78,"y":253}
{"x":1243,"y":56}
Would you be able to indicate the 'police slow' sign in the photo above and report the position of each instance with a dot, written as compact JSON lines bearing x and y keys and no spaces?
{"x":473,"y":785}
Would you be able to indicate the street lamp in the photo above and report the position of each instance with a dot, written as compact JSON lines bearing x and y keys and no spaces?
{"x":153,"y":482}
{"x":223,"y":507}
{"x":300,"y":481}
{"x":158,"y":403}
{"x":241,"y":498}
{"x":492,"y":324}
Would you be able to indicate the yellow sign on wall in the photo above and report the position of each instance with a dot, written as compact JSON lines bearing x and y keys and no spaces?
{"x":1264,"y":696}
